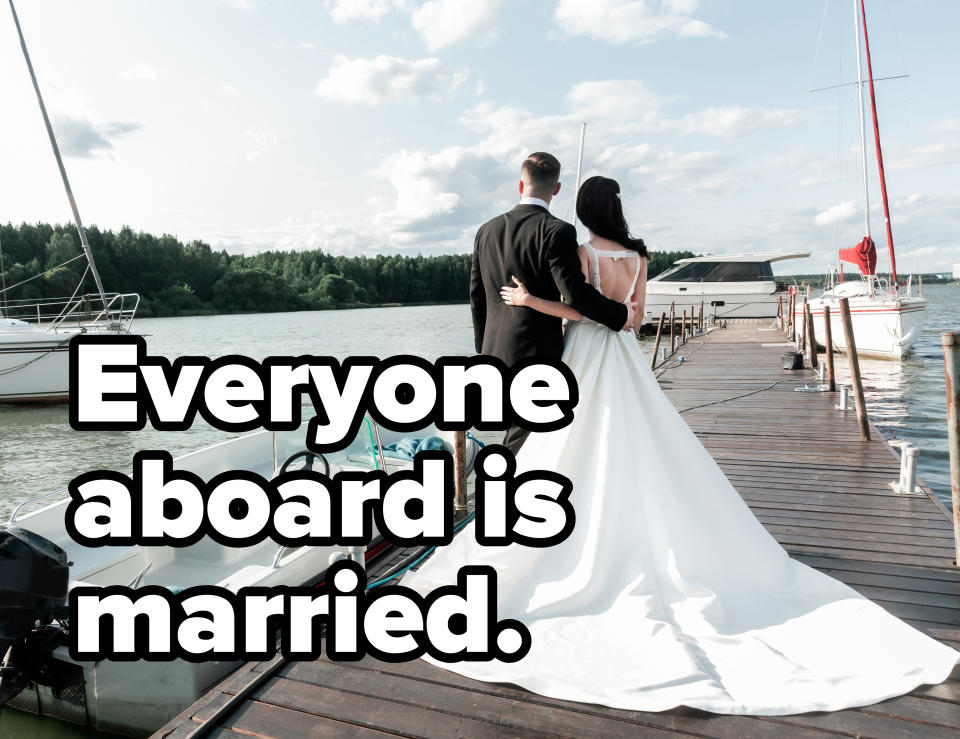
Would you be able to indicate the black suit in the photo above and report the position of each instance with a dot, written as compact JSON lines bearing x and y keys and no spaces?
{"x":541,"y":250}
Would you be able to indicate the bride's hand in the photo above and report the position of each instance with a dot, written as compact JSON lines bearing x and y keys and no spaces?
{"x":514,"y":295}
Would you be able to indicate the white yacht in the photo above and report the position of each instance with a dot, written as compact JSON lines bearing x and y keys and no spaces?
{"x":34,"y":334}
{"x":34,"y":352}
{"x":728,"y":286}
{"x":886,"y":319}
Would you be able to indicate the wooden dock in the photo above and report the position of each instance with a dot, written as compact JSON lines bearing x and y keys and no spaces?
{"x":799,"y":464}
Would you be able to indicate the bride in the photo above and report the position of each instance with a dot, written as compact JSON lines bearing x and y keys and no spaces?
{"x":668,"y":592}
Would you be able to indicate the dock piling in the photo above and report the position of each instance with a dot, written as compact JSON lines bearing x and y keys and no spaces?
{"x":700,"y":318}
{"x":656,"y":343}
{"x":792,"y":329}
{"x":811,"y":334}
{"x":780,"y":317}
{"x":683,"y":327}
{"x":951,"y":361}
{"x":460,"y":474}
{"x":828,"y":339}
{"x":673,"y":320}
{"x":802,"y":340}
{"x":854,"y":369}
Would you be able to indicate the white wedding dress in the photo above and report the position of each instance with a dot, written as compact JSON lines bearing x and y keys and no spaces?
{"x":669,"y":592}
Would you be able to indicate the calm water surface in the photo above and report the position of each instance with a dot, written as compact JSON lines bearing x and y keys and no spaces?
{"x":39,"y":452}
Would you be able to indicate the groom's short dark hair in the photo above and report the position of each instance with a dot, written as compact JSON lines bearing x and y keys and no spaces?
{"x":543,"y":171}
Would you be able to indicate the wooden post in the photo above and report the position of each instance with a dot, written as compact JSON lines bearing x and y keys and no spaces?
{"x":700,"y":318}
{"x":460,"y":474}
{"x":656,"y":343}
{"x":828,"y":338}
{"x":780,"y":316}
{"x":683,"y":327}
{"x":673,"y":345}
{"x":854,"y":369}
{"x":803,"y":328}
{"x":811,"y":335}
{"x":951,"y":361}
{"x":791,"y":331}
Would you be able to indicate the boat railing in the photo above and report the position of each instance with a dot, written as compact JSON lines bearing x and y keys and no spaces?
{"x":76,"y":312}
{"x":50,"y":498}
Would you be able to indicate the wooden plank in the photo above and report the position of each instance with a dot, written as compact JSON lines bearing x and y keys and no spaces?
{"x":372,"y":713}
{"x":679,"y":720}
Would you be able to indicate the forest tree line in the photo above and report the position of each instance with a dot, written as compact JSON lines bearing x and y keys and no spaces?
{"x":175,"y":278}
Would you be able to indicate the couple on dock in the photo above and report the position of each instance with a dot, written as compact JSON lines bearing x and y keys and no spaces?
{"x":669,"y":592}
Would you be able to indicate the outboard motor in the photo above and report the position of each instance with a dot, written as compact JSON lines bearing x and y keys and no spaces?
{"x":34,"y":574}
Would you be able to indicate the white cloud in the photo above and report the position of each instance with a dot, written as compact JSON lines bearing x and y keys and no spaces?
{"x":925,"y":155}
{"x":622,"y":21}
{"x":947,"y":125}
{"x":443,"y":23}
{"x":362,"y":10}
{"x":839,"y":213}
{"x":140,"y":72}
{"x":441,"y":195}
{"x":259,"y":143}
{"x":228,"y":90}
{"x":239,"y":4}
{"x":387,"y":79}
{"x":82,"y":139}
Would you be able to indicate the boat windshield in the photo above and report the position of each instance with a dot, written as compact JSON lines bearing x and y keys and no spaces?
{"x":718,"y":272}
{"x":359,"y":455}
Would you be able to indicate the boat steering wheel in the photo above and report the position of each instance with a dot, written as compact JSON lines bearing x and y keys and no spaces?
{"x":310,"y":457}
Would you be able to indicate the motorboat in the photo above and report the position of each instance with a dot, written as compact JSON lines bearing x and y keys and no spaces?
{"x":136,"y":698}
{"x":726,"y":285}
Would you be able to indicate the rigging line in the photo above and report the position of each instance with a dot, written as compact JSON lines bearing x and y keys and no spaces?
{"x":56,"y":153}
{"x":41,"y":274}
{"x":851,"y":84}
{"x":3,"y":278}
{"x":816,"y":56}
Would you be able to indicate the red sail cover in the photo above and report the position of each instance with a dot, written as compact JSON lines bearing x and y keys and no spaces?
{"x":864,"y":255}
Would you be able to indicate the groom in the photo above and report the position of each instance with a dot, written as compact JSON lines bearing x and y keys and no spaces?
{"x":541,"y":251}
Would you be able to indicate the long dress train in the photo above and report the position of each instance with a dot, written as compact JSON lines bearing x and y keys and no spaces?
{"x":669,"y":591}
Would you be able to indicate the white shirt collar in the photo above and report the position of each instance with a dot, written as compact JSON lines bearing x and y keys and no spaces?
{"x":535,"y":201}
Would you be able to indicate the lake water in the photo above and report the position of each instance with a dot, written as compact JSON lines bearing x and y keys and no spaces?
{"x":39,"y":452}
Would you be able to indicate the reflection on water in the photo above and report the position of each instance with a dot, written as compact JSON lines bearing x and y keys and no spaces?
{"x":907,"y":400}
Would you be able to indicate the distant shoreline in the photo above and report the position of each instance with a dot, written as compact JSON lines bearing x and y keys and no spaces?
{"x":345,"y":306}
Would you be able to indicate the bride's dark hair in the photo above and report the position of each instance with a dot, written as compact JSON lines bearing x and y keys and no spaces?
{"x":599,"y":209}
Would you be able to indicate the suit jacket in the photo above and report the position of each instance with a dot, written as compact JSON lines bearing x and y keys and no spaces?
{"x":541,"y":250}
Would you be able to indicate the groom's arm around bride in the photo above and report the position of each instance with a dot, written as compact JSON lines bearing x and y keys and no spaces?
{"x":529,"y":243}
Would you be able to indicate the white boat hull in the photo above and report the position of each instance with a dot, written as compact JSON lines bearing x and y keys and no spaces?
{"x":730,"y":303}
{"x":34,"y":366}
{"x":884,"y":327}
{"x":136,"y":698}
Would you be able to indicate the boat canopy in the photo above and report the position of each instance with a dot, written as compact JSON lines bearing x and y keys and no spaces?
{"x":760,"y":256}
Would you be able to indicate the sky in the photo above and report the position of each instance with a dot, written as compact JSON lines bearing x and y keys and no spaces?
{"x":398,"y":126}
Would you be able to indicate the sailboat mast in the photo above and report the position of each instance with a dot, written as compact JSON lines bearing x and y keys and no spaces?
{"x":863,"y":127}
{"x":56,"y":153}
{"x":583,"y":134}
{"x":876,"y":138}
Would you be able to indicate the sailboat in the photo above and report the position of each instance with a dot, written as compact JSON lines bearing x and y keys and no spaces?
{"x":886,"y":319}
{"x":35,"y":334}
